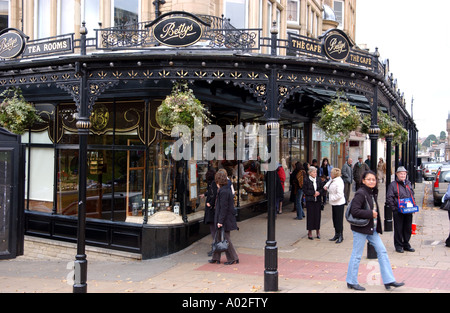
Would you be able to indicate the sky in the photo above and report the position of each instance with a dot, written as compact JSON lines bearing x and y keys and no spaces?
{"x":415,"y":36}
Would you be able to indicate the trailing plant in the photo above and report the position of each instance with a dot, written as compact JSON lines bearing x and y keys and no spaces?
{"x":387,"y":125}
{"x":16,"y":114}
{"x":338,"y":118}
{"x":180,"y":108}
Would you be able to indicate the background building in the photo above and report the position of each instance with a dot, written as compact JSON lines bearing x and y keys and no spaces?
{"x":98,"y":101}
{"x":46,"y":18}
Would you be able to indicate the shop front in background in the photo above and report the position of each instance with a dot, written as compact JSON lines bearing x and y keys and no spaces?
{"x":132,"y":176}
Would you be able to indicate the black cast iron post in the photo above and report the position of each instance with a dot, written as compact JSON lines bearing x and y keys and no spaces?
{"x":271,"y":249}
{"x":387,"y":210}
{"x":83,"y":124}
{"x":374,"y":133}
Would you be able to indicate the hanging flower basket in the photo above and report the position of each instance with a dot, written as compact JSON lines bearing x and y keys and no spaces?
{"x":16,"y":114}
{"x":387,"y":126}
{"x":338,"y":119}
{"x":400,"y":134}
{"x":180,"y":108}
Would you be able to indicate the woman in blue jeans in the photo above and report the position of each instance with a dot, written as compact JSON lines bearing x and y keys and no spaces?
{"x":367,"y":196}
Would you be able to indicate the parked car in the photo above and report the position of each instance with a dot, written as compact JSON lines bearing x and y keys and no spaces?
{"x":441,"y":183}
{"x":430,"y":169}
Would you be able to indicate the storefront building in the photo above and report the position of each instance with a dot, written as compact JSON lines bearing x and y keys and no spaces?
{"x":100,"y":145}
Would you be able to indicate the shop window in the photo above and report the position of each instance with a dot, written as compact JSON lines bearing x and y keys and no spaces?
{"x":40,"y":179}
{"x":67,"y":186}
{"x":40,"y":160}
{"x":4,"y":14}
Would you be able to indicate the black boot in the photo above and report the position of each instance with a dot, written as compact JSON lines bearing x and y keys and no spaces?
{"x":336,"y":236}
{"x":340,"y":238}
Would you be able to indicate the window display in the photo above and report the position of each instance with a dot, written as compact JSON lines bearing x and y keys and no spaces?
{"x":131,"y":173}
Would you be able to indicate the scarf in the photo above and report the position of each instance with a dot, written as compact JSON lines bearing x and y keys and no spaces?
{"x":314,"y":182}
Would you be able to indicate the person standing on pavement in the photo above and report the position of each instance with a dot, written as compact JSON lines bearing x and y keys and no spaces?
{"x":400,"y":188}
{"x":282,"y":175}
{"x":325,"y":175}
{"x":225,"y":217}
{"x":381,"y":170}
{"x":299,"y":179}
{"x":210,"y":202}
{"x":347,"y":177}
{"x":312,"y":188}
{"x":335,"y":188}
{"x":368,"y":161}
{"x":364,"y":205}
{"x":445,"y":198}
{"x":359,"y":168}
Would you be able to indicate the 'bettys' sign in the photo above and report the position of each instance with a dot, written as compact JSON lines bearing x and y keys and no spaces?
{"x":14,"y":43}
{"x":336,"y":46}
{"x":177,"y":32}
{"x":11,"y":45}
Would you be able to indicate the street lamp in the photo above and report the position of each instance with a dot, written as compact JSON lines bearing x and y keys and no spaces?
{"x":83,"y":124}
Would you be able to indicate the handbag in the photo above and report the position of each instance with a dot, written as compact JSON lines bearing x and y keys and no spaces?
{"x":446,"y":205}
{"x":355,"y":221}
{"x":407,"y":205}
{"x":222,"y":244}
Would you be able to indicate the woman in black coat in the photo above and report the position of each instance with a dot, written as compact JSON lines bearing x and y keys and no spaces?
{"x":364,"y":205}
{"x":400,"y":188}
{"x":312,"y":189}
{"x":210,"y":202}
{"x":225,"y":217}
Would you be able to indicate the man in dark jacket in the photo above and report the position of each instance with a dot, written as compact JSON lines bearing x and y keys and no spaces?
{"x":359,"y":168}
{"x":400,"y":188}
{"x":347,"y":177}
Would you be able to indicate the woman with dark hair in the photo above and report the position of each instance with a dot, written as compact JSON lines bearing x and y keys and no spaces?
{"x":210,"y":202}
{"x":312,"y":188}
{"x":365,"y":206}
{"x":225,"y":217}
{"x":325,"y":175}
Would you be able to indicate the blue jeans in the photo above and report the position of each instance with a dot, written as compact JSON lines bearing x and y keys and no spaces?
{"x":359,"y":241}
{"x":298,"y":204}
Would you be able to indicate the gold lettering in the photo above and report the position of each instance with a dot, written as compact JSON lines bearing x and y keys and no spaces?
{"x":170,"y":31}
{"x":337,"y":46}
{"x":8,"y":45}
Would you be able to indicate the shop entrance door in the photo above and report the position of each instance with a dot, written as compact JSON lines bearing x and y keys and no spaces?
{"x":12,"y":165}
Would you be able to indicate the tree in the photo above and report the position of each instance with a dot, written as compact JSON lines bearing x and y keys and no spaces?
{"x":430,"y":140}
{"x":442,"y":136}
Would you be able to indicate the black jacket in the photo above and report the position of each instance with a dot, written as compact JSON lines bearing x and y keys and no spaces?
{"x":392,"y":194}
{"x":225,"y":214}
{"x":211,"y":194}
{"x":308,"y":189}
{"x":358,"y":209}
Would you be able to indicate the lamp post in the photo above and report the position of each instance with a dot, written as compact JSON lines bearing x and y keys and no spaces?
{"x":83,"y":124}
{"x":387,"y":210}
{"x":271,"y":249}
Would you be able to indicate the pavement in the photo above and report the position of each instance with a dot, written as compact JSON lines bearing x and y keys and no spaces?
{"x":304,"y":266}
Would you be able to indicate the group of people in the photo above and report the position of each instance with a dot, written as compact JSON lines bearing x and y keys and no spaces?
{"x":316,"y":185}
{"x":337,"y":184}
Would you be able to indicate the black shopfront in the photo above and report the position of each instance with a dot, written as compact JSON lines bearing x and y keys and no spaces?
{"x":100,"y":143}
